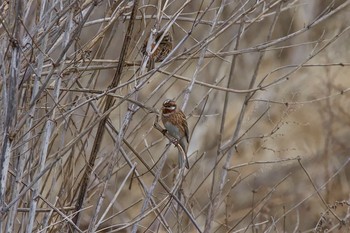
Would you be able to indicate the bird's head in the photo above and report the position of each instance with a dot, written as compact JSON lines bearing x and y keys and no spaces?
{"x":169,"y":106}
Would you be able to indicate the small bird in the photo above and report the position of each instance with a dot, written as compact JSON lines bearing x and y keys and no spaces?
{"x":174,"y":121}
{"x":162,"y":51}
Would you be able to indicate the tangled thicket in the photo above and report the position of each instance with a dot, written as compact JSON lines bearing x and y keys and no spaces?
{"x":264,"y":85}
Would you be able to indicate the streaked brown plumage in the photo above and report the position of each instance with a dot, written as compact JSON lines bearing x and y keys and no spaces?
{"x":162,"y":51}
{"x":174,"y":120}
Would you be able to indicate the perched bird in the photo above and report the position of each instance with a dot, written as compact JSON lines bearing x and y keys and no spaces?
{"x":164,"y":48}
{"x":174,"y":121}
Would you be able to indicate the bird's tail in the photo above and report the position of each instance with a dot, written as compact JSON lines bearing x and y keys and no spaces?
{"x":183,"y":158}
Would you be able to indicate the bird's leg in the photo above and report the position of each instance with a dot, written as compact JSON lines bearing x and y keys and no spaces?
{"x":174,"y":141}
{"x":171,"y":138}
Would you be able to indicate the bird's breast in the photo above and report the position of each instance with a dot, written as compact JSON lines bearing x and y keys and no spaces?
{"x":173,"y":130}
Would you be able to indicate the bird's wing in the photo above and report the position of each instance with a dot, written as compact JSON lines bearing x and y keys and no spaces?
{"x":185,"y":126}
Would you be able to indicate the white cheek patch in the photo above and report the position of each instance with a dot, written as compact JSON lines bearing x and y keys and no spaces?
{"x":172,"y":108}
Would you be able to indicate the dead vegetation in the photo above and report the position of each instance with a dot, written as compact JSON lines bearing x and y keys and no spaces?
{"x":264,"y":85}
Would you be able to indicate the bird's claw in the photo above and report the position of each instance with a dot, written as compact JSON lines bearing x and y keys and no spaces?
{"x":174,"y":141}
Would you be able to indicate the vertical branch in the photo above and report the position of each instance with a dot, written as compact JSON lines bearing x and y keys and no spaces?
{"x":27,"y":129}
{"x":49,"y":125}
{"x":10,"y":102}
{"x":108,"y":104}
{"x":111,"y":164}
{"x":202,"y":54}
{"x":212,"y":204}
{"x":150,"y":192}
{"x":132,"y":170}
{"x":215,"y":203}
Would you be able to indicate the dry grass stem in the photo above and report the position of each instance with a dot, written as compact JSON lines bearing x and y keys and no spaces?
{"x":264,"y":86}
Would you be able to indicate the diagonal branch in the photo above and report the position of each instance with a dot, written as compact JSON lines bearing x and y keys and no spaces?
{"x":108,"y":104}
